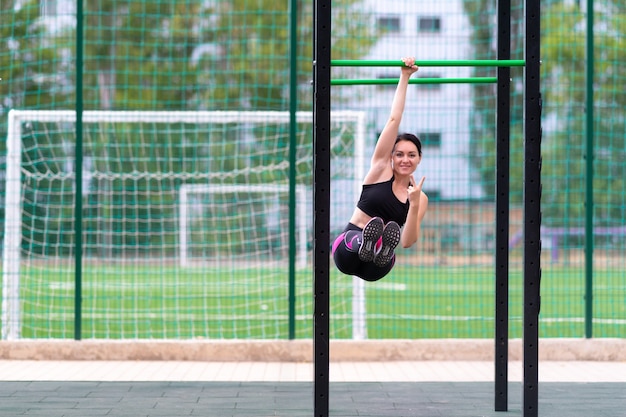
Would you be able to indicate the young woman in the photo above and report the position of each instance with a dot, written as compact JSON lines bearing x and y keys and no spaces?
{"x":392,"y":204}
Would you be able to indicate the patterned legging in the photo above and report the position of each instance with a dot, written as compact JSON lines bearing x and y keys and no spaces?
{"x":347,"y":258}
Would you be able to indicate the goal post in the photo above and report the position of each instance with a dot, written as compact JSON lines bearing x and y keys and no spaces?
{"x":150,"y":179}
{"x":12,"y":231}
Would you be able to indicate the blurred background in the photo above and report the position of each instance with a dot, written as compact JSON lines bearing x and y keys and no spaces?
{"x":188,"y":175}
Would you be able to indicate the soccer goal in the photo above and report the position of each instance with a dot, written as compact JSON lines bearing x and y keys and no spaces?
{"x":184,"y":222}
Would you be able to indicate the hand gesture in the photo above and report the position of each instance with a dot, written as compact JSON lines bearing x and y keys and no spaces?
{"x":415,"y":190}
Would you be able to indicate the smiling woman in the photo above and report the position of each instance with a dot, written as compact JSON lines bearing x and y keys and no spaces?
{"x":392,"y":204}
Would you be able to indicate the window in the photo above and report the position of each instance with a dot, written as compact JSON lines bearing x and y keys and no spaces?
{"x":429,"y":24}
{"x":389,"y":24}
{"x":430,"y":139}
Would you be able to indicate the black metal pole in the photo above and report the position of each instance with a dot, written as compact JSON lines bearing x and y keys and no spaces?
{"x":589,"y":151}
{"x":293,"y":108}
{"x":78,"y":202}
{"x":532,"y":208}
{"x":321,"y":202}
{"x":503,"y":127}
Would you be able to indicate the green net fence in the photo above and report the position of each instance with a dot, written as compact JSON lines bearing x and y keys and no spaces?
{"x":194,"y":169}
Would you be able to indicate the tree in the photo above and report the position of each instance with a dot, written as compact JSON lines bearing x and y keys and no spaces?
{"x":564,"y":57}
{"x":564,"y":92}
{"x":481,"y":14}
{"x":201,"y":55}
{"x":251,"y":67}
{"x":211,"y":55}
{"x":146,"y":55}
{"x":26,"y":69}
{"x":26,"y":61}
{"x":137,"y":54}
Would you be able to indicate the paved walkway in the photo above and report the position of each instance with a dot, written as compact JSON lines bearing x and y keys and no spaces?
{"x":221,"y":389}
{"x":397,"y":371}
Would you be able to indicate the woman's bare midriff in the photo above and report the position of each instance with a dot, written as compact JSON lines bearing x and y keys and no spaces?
{"x":359,"y":218}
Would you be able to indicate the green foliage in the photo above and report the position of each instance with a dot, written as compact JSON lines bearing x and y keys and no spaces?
{"x":565,"y":62}
{"x":235,"y":55}
{"x":251,"y":68}
{"x":137,"y":54}
{"x":483,"y":141}
{"x":27,"y":59}
{"x":163,"y":55}
{"x":159,"y":55}
{"x":564,"y":89}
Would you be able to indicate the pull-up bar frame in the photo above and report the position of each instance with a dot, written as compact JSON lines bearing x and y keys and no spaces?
{"x":532,"y":206}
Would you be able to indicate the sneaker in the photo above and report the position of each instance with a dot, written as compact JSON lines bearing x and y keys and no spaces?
{"x":372,"y":231}
{"x":391,"y":238}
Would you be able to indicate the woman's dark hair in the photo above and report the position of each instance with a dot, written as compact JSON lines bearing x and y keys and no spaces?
{"x":411,"y":138}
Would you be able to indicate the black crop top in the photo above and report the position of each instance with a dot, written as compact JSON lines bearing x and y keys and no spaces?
{"x":379,"y":200}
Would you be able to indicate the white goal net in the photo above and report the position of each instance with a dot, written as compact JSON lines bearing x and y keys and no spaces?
{"x":184,"y":221}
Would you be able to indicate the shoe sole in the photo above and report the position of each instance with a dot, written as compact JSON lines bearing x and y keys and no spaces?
{"x":391,"y":238}
{"x":372,"y":231}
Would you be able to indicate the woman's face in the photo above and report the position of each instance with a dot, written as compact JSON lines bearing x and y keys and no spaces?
{"x":405,"y":158}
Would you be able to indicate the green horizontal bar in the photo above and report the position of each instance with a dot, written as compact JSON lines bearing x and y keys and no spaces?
{"x":452,"y":63}
{"x":385,"y":81}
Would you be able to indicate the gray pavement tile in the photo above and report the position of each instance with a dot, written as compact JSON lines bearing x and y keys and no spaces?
{"x":81,"y":412}
{"x":290,"y":399}
{"x":12,"y":411}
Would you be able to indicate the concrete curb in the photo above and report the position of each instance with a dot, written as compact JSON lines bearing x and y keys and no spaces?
{"x":302,"y":350}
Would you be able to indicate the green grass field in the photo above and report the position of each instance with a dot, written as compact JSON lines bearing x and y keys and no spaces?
{"x":141,"y":301}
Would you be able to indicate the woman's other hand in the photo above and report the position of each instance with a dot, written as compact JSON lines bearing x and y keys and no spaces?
{"x":415,"y":190}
